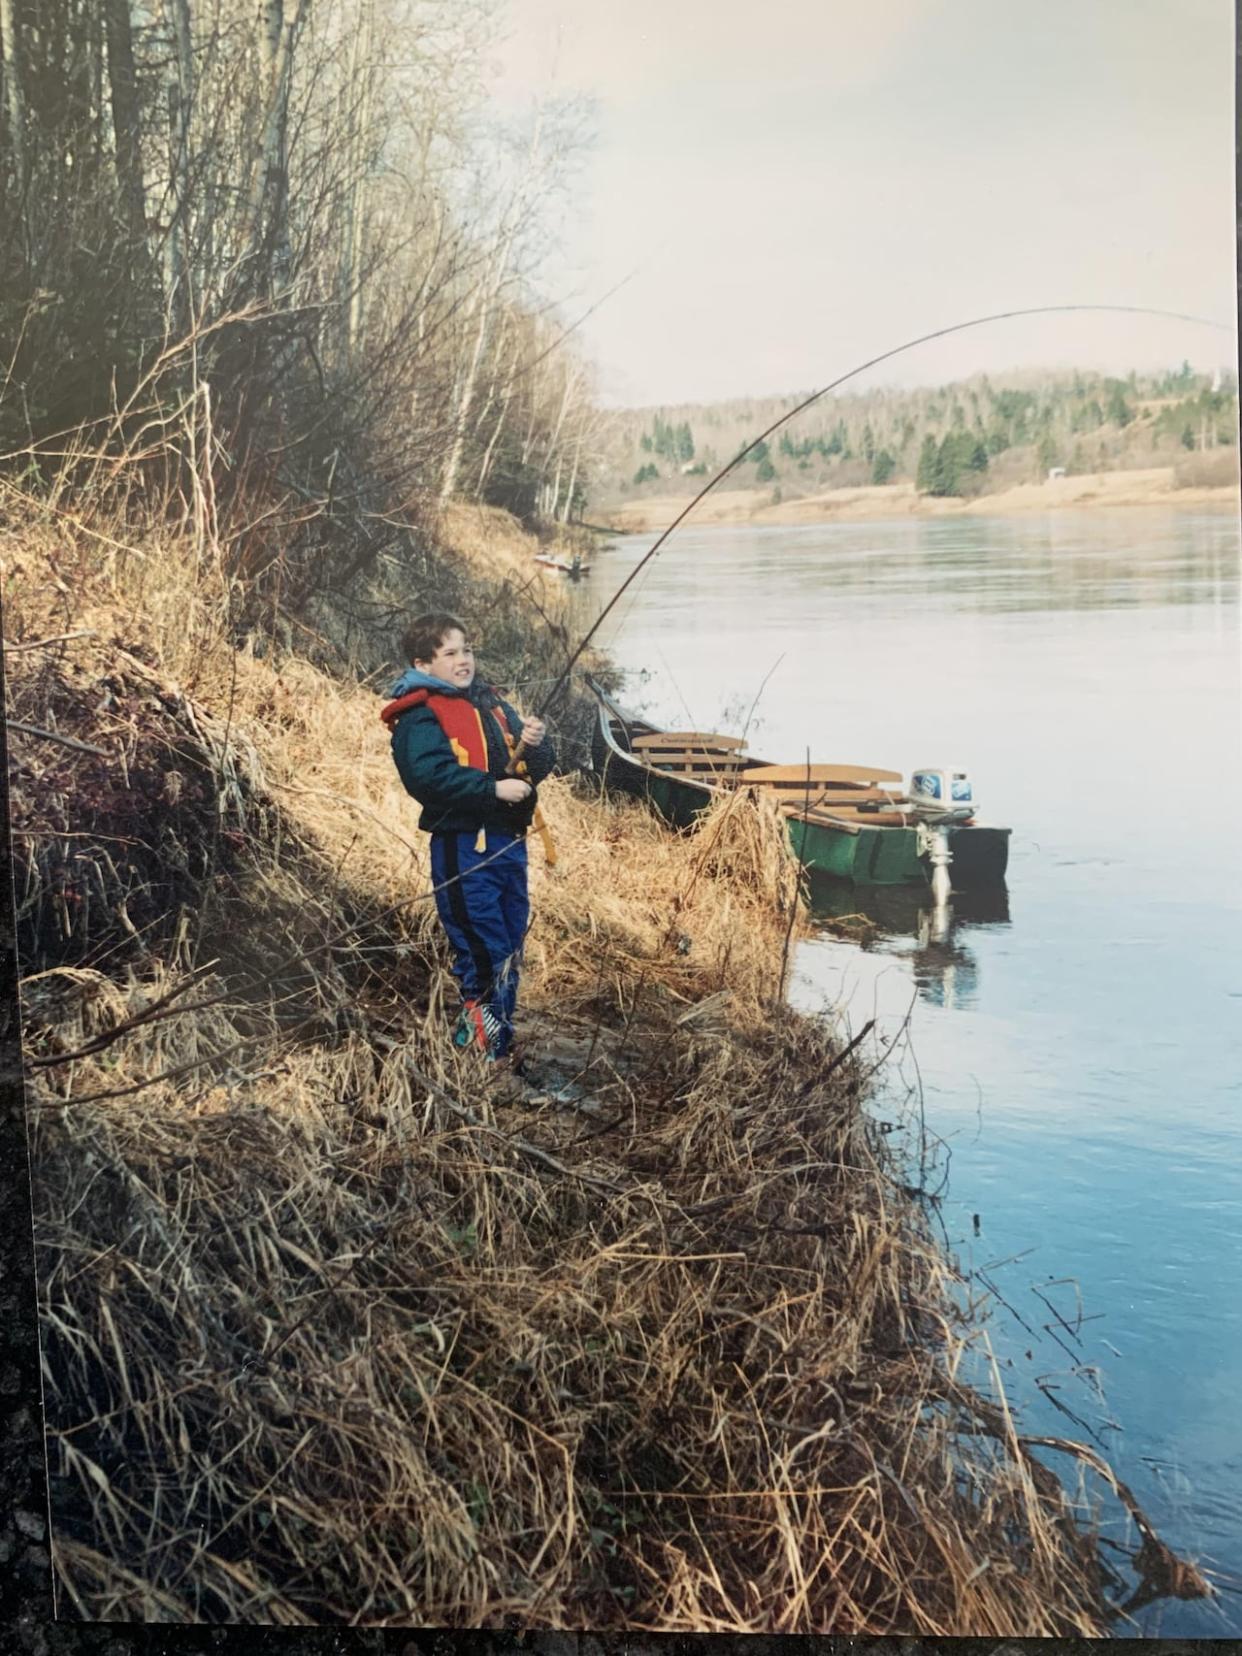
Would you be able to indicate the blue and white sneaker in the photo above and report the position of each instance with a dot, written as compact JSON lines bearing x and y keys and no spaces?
{"x":477,"y":1026}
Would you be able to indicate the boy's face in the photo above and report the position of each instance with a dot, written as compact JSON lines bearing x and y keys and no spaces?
{"x":453,"y":661}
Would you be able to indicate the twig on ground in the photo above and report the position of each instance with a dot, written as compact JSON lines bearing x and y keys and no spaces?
{"x":44,"y":643}
{"x":55,"y":736}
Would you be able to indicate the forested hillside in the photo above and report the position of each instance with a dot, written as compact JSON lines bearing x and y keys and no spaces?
{"x":966,"y":438}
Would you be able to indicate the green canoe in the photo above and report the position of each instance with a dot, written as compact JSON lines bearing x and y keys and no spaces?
{"x":682,"y":773}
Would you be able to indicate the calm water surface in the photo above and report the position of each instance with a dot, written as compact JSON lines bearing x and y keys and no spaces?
{"x":1078,"y":1047}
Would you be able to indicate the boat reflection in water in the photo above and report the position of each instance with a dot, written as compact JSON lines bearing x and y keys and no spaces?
{"x":904,"y":923}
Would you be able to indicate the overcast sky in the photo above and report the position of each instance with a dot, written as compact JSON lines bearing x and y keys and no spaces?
{"x":797,"y":185}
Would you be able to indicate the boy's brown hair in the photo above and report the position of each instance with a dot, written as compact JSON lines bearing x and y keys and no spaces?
{"x":424,"y":635}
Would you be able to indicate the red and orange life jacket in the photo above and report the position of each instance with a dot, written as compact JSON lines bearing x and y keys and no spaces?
{"x":459,"y":719}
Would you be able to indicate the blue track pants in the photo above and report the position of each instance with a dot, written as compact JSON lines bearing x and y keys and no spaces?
{"x":484,"y":908}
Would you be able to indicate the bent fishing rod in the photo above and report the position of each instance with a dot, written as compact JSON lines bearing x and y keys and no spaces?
{"x":884,"y":356}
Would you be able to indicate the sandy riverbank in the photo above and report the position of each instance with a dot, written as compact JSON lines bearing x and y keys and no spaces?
{"x":1155,"y":486}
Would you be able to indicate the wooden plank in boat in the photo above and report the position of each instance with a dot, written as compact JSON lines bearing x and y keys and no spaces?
{"x":678,"y":739}
{"x":795,"y":792}
{"x":855,"y":790}
{"x":837,"y":816}
{"x":821,"y":819}
{"x":874,"y":819}
{"x":819,"y":773}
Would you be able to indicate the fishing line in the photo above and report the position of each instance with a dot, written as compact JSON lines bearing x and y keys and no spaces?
{"x":555,"y":681}
{"x":694,"y":723}
{"x":871,"y":362}
{"x":763,"y":684}
{"x":625,"y":613}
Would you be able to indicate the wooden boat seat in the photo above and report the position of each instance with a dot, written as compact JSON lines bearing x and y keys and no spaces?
{"x":773,"y":775}
{"x":677,"y":740}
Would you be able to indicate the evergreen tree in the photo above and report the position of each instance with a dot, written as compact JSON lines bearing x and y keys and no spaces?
{"x":945,"y":466}
{"x":837,"y":443}
{"x":667,"y":442}
{"x":951,"y":462}
{"x":883,"y":467}
{"x":1118,"y":411}
{"x":1013,"y":405}
{"x":927,"y":478}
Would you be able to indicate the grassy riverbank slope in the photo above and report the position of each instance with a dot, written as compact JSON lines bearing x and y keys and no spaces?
{"x":1151,"y":486}
{"x":336,"y":1330}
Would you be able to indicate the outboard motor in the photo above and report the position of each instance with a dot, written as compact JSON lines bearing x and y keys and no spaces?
{"x":938,"y":799}
{"x":942,"y":795}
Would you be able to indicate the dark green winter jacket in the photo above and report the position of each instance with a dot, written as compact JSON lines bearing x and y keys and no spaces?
{"x":457,"y":798}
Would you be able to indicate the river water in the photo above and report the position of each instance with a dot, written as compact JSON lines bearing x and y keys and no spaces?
{"x":1077,"y":1046}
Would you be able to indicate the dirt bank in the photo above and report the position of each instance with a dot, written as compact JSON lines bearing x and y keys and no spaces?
{"x":1154,"y":487}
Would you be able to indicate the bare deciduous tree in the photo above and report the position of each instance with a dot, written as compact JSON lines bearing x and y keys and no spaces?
{"x":274,"y":263}
{"x":14,"y":97}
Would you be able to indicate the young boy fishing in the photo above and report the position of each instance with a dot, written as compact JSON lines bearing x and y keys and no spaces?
{"x":452,"y":740}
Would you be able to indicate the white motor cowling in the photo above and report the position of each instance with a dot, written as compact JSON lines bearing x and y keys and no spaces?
{"x":942,"y":795}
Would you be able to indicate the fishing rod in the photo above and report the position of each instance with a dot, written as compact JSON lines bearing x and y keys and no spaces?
{"x":884,"y":356}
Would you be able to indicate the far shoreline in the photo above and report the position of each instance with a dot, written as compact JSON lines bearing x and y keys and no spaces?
{"x":1151,"y":487}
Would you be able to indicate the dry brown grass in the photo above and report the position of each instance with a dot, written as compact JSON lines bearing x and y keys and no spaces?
{"x":335,"y":1330}
{"x":1215,"y":469}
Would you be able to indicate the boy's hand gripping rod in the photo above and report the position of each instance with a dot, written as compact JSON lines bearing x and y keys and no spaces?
{"x":923,"y":339}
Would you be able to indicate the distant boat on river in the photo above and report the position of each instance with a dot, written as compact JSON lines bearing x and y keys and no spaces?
{"x":573,"y":567}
